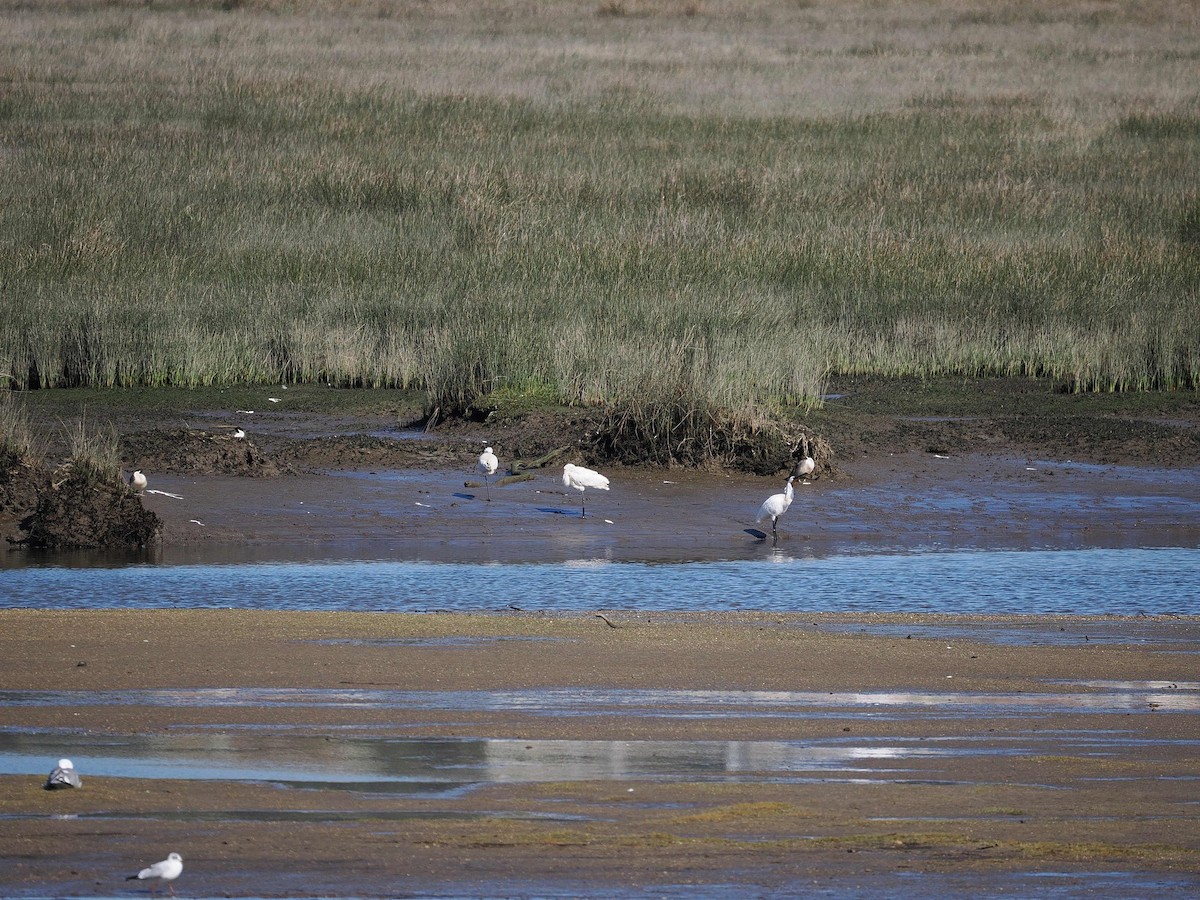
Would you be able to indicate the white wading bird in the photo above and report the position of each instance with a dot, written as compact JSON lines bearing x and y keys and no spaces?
{"x":776,"y":505}
{"x":581,"y":479}
{"x":137,"y":481}
{"x":805,"y":467}
{"x":487,"y":466}
{"x":63,"y":776}
{"x":167,"y":870}
{"x":239,"y":434}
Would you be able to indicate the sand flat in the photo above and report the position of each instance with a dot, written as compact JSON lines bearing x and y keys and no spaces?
{"x":1075,"y":758}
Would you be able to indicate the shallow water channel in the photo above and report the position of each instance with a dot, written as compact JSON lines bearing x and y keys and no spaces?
{"x":1099,"y":581}
{"x":598,"y":567}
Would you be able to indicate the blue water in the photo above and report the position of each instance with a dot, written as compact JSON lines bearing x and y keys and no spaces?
{"x":1097,"y":581}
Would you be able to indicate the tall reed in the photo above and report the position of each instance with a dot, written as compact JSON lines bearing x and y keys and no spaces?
{"x":204,"y":197}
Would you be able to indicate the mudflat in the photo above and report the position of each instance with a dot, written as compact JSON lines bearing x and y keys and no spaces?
{"x":797,"y":751}
{"x":622,"y":752}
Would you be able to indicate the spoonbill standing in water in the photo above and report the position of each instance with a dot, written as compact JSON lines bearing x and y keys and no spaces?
{"x":168,"y":870}
{"x":581,"y":479}
{"x":776,"y":505}
{"x":487,"y":466}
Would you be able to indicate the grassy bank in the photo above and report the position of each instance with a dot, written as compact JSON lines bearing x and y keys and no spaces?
{"x":720,"y":202}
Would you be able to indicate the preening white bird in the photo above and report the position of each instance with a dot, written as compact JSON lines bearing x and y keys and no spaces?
{"x":776,"y":505}
{"x":581,"y":479}
{"x":63,"y":776}
{"x":137,"y":481}
{"x":805,"y":467}
{"x":239,"y":434}
{"x":166,"y":870}
{"x":487,"y":466}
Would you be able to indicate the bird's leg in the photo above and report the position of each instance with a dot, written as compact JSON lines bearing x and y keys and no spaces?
{"x":488,"y":486}
{"x":582,"y":507}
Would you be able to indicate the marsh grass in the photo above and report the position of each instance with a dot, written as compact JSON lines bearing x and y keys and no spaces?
{"x":94,"y":451}
{"x":598,"y":206}
{"x":16,"y":435}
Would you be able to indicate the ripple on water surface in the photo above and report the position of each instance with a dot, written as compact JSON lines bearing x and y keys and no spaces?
{"x":1075,"y":582}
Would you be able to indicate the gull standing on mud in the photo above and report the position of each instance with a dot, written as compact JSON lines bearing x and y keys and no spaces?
{"x":487,"y":466}
{"x":63,"y":776}
{"x":776,"y":505}
{"x":167,"y":870}
{"x":581,"y":479}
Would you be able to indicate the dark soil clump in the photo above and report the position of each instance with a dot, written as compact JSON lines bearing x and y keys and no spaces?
{"x":677,"y":435}
{"x":21,"y":482}
{"x":87,"y":510}
{"x":361,"y":451}
{"x":181,"y":452}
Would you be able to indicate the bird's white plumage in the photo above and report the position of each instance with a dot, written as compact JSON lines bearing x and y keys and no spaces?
{"x":776,"y":505}
{"x":63,"y":776}
{"x":137,"y":481}
{"x":581,"y":479}
{"x":488,"y":463}
{"x":806,"y":467}
{"x":167,"y":869}
{"x":239,"y":434}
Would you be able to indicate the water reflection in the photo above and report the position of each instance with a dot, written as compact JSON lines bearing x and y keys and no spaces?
{"x":1183,"y":697}
{"x":445,"y":765}
{"x":439,"y":765}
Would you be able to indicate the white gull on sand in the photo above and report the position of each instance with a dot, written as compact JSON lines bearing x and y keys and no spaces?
{"x":166,"y":870}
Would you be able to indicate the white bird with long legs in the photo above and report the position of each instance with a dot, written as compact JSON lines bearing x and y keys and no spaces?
{"x":776,"y":505}
{"x":581,"y":479}
{"x":165,"y":870}
{"x":487,"y":466}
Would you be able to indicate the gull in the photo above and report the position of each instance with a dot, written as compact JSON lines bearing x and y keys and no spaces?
{"x":137,"y":481}
{"x":168,"y":870}
{"x":486,"y":466}
{"x":63,"y":776}
{"x":776,"y":505}
{"x":581,"y":479}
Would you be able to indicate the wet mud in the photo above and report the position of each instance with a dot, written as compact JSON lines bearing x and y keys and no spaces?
{"x":78,"y":509}
{"x":310,"y":754}
{"x":676,"y":754}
